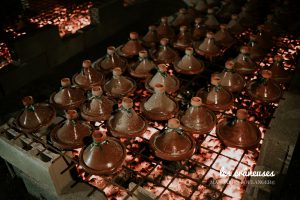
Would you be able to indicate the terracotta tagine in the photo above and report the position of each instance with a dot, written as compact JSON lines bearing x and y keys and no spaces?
{"x":201,"y":6}
{"x":217,"y":98}
{"x":164,"y":30}
{"x":200,"y":29}
{"x":211,"y":21}
{"x":171,"y":83}
{"x":223,"y":37}
{"x":71,"y":133}
{"x":88,"y":77}
{"x":183,"y":18}
{"x":132,"y":47}
{"x":238,"y":132}
{"x":35,"y":116}
{"x":151,"y":38}
{"x":143,"y":66}
{"x":69,"y":97}
{"x":197,"y":119}
{"x":98,"y":107}
{"x":234,"y":25}
{"x":165,"y":53}
{"x":119,"y":85}
{"x":110,"y":61}
{"x":189,"y":64}
{"x":279,"y":74}
{"x":244,"y":65}
{"x":231,"y":80}
{"x":159,"y":106}
{"x":126,"y":122}
{"x":256,"y":52}
{"x":208,"y":48}
{"x":264,"y":89}
{"x":173,"y":144}
{"x":264,"y":38}
{"x":184,"y":39}
{"x":104,"y":156}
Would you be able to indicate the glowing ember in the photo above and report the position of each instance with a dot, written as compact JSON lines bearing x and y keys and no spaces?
{"x":5,"y":57}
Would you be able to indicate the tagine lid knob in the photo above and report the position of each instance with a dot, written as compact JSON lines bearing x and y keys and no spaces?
{"x":267,"y":74}
{"x":159,"y":88}
{"x":99,"y":136}
{"x":162,"y":67}
{"x":65,"y":82}
{"x":133,"y":35}
{"x":242,"y":114}
{"x":143,"y":54}
{"x":189,"y":51}
{"x":210,"y":35}
{"x":173,"y":123}
{"x":199,"y":20}
{"x":196,"y":101}
{"x":182,"y":10}
{"x":86,"y":63}
{"x":183,"y":28}
{"x":210,"y":11}
{"x":229,"y":64}
{"x":71,"y":114}
{"x":164,"y":41}
{"x":27,"y":101}
{"x":215,"y":80}
{"x":117,"y":71}
{"x":234,"y":16}
{"x":127,"y":102}
{"x":245,"y":50}
{"x":97,"y":91}
{"x":223,"y":26}
{"x":151,"y":28}
{"x":278,"y":58}
{"x":164,"y":19}
{"x":111,"y":50}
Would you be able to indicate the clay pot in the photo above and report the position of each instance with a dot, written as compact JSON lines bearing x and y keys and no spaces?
{"x":183,"y":18}
{"x":189,"y":64}
{"x":132,"y":47}
{"x":69,"y":97}
{"x":126,"y":122}
{"x":110,"y":61}
{"x":159,"y":106}
{"x":98,"y":107}
{"x":234,"y":25}
{"x":165,"y":53}
{"x":200,"y":29}
{"x":164,"y":30}
{"x":223,"y":37}
{"x":231,"y":80}
{"x":217,"y":98}
{"x":197,"y":119}
{"x":34,"y":117}
{"x":201,"y":6}
{"x":184,"y":39}
{"x":119,"y":85}
{"x":104,"y":156}
{"x":244,"y":65}
{"x":151,"y":38}
{"x":256,"y":52}
{"x":238,"y":132}
{"x":279,"y":74}
{"x":171,"y":83}
{"x":71,"y":133}
{"x":265,"y":89}
{"x":173,"y":144}
{"x":143,"y":66}
{"x":264,"y":38}
{"x":88,"y":77}
{"x":211,"y":21}
{"x":208,"y":48}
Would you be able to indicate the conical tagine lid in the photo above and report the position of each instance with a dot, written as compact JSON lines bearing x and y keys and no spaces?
{"x":104,"y":156}
{"x":238,"y":132}
{"x":184,"y":39}
{"x":279,"y":74}
{"x":88,"y":77}
{"x":110,"y":61}
{"x":208,"y":48}
{"x":243,"y":63}
{"x":183,"y":18}
{"x":231,"y":80}
{"x":189,"y":64}
{"x":217,"y":98}
{"x":173,"y":144}
{"x":71,"y":133}
{"x":126,"y":122}
{"x":151,"y":38}
{"x":164,"y":30}
{"x":234,"y":25}
{"x":98,"y":107}
{"x":223,"y":37}
{"x":198,"y":119}
{"x":132,"y":47}
{"x":170,"y":83}
{"x":200,"y":29}
{"x":69,"y":97}
{"x":211,"y":21}
{"x":165,"y":53}
{"x":264,"y":89}
{"x":35,"y":116}
{"x":142,"y":67}
{"x":119,"y":85}
{"x":159,"y":106}
{"x":256,"y":52}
